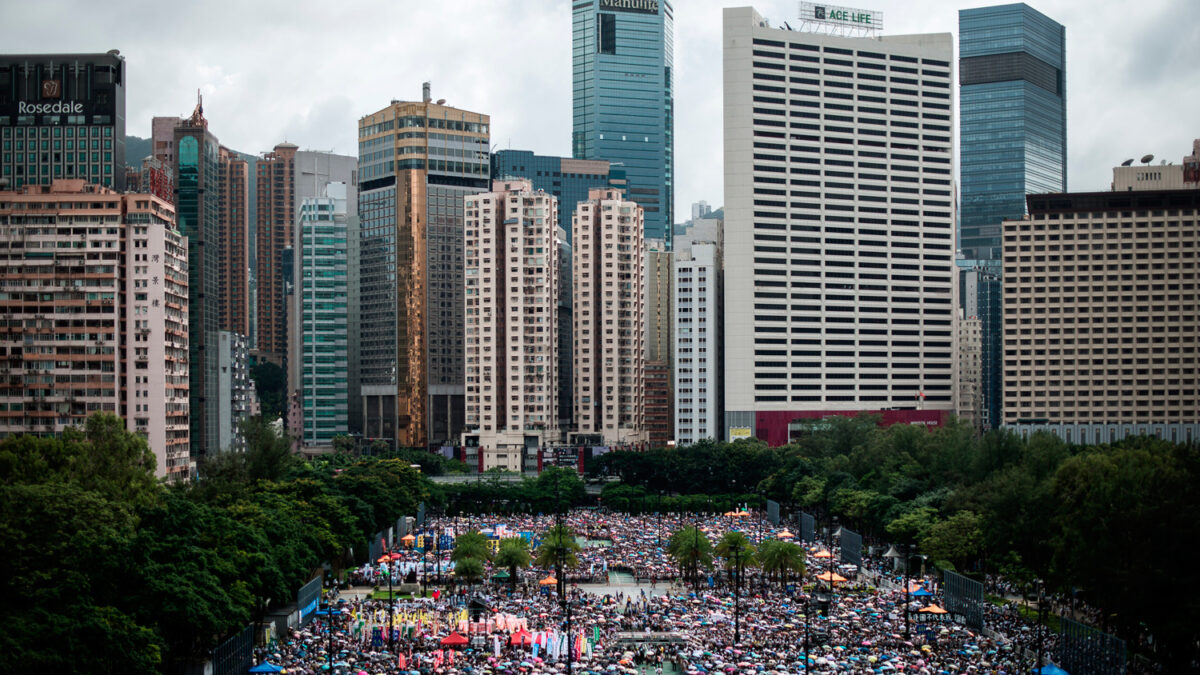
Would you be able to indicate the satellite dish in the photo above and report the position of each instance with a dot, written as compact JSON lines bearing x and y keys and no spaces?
{"x":1127,"y":162}
{"x":1146,"y":159}
{"x":441,"y":101}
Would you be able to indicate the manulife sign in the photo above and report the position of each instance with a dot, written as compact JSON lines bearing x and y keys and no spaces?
{"x":841,"y":16}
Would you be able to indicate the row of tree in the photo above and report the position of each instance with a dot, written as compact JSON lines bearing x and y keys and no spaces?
{"x":107,"y":570}
{"x":1113,"y":524}
{"x":693,"y":552}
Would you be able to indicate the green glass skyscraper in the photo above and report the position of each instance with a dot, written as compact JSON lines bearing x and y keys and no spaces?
{"x":622,"y":54}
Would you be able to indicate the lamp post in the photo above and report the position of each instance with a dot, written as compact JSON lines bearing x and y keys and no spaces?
{"x":907,"y":560}
{"x":1037,"y":666}
{"x":391,"y":608}
{"x":736,"y":548}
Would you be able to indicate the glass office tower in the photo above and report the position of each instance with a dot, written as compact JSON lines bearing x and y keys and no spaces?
{"x":1013,"y":142}
{"x":624,"y":100}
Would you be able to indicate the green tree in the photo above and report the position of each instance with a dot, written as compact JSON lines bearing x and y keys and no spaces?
{"x":514,"y":556}
{"x":691,"y":549}
{"x":558,"y":550}
{"x":470,"y":546}
{"x":736,"y":549}
{"x":781,"y":558}
{"x":469,"y":570}
{"x":956,"y":539}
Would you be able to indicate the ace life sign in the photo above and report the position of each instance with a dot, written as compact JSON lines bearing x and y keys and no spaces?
{"x":846,"y":17}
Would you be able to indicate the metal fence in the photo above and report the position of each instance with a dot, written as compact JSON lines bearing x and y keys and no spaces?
{"x":851,"y":543}
{"x":964,"y":596}
{"x":808,"y":527}
{"x":773,"y":512}
{"x":235,"y":655}
{"x":307,"y":600}
{"x":1084,"y":649}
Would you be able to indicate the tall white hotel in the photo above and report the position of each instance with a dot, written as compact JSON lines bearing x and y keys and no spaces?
{"x":839,"y":224}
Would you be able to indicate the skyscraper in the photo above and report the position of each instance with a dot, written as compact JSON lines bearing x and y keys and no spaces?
{"x":110,"y":332}
{"x":1013,"y":103}
{"x":839,"y":226}
{"x":63,"y":116}
{"x":660,"y":347}
{"x":609,"y":320}
{"x":417,"y":163}
{"x":697,"y":290}
{"x":208,"y":190}
{"x":624,"y":101}
{"x":318,"y":362}
{"x":511,"y":317}
{"x":567,"y":179}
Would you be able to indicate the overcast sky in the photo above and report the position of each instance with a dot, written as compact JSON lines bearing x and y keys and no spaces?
{"x":306,"y":70}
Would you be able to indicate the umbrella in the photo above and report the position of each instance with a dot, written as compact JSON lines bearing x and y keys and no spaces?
{"x":932,"y":609}
{"x":548,"y":581}
{"x":786,"y":535}
{"x":921,"y":593}
{"x":822,"y":554}
{"x":831,"y":576}
{"x":265,"y":667}
{"x":1051,"y":669}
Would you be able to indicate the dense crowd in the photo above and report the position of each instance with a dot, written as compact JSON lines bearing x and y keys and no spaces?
{"x":858,"y":628}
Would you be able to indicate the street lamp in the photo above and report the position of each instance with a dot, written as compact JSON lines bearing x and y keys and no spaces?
{"x":1041,"y":605}
{"x":391,"y":609}
{"x":736,"y":549}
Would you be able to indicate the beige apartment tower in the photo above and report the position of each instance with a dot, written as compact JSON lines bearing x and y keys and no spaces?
{"x":511,"y":272}
{"x":94,"y":315}
{"x":608,"y":282}
{"x":1101,"y":316}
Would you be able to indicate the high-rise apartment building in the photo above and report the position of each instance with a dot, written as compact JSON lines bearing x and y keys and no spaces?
{"x":211,"y":207}
{"x":968,"y":397}
{"x":1013,"y":107}
{"x":660,"y":418}
{"x":318,"y":363}
{"x":1102,"y":330}
{"x":62,"y":116}
{"x":839,"y":226}
{"x":511,"y":318}
{"x":234,"y":389}
{"x":698,"y":300}
{"x":94,"y":315}
{"x":566,"y":300}
{"x":418,"y":161}
{"x":609,"y":320}
{"x":624,"y":100}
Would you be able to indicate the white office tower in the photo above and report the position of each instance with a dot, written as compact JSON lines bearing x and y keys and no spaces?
{"x":839,"y":224}
{"x":512,"y":286}
{"x":698,"y":332}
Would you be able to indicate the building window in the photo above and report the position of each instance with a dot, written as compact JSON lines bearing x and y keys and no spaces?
{"x":607,"y":26}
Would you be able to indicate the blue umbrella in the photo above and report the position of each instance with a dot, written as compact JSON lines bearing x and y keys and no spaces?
{"x":1051,"y":669}
{"x":920,"y":593}
{"x":265,"y":667}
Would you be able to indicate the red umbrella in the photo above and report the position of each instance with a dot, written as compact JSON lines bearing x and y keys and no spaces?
{"x":454,"y":640}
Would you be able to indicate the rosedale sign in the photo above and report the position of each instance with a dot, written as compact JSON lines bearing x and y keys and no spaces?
{"x":841,"y":16}
{"x":60,"y":107}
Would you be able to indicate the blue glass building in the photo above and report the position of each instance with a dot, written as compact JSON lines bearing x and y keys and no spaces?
{"x":567,"y":179}
{"x":1013,"y":142}
{"x":1013,"y":103}
{"x":623,"y":98}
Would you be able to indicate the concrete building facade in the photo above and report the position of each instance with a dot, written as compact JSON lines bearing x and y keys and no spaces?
{"x":1102,"y":318}
{"x":62,"y":116}
{"x":609,"y":318}
{"x":699,"y":331}
{"x":511,"y":323}
{"x":660,"y":346}
{"x":418,"y":161}
{"x":234,"y":389}
{"x":839,"y":227}
{"x":94,"y":315}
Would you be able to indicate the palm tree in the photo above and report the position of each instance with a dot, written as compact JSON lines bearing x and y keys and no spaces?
{"x":471,"y":545}
{"x":558,"y":550}
{"x":690,"y":548}
{"x":513,"y":554}
{"x":736,"y":541}
{"x":469,"y":570}
{"x":780,"y":558}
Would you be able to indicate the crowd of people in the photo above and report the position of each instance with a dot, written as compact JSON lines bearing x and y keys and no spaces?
{"x":751,"y":628}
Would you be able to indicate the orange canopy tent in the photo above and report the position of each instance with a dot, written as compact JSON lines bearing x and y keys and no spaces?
{"x":932,"y":609}
{"x":823,"y":554}
{"x":548,"y":581}
{"x":826,"y":576}
{"x":786,"y":535}
{"x":407,"y":540}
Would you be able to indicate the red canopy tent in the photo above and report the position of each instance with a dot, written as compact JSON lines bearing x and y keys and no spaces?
{"x":521,"y":638}
{"x":454,"y":640}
